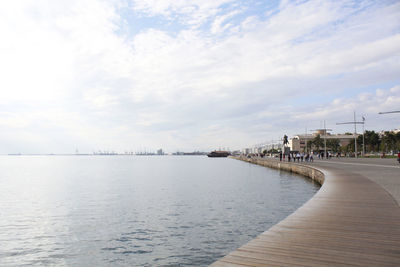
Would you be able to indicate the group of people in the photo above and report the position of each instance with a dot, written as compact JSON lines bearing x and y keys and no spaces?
{"x":297,"y":156}
{"x":328,"y":156}
{"x":307,"y":157}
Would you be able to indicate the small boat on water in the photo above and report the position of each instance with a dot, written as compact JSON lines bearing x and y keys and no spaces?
{"x":218,"y":154}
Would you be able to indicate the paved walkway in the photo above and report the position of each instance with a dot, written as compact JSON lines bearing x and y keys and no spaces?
{"x":385,"y":172}
{"x":352,"y":220}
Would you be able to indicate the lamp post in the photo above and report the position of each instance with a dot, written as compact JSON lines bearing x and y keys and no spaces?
{"x":355,"y":131}
{"x":305,"y":141}
{"x":324,"y":130}
{"x":387,"y":112}
{"x":325,"y":140}
{"x":363,"y":120}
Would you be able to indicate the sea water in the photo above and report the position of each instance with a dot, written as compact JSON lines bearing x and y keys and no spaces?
{"x":137,"y":210}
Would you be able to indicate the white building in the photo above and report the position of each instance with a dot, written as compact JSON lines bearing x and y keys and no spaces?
{"x":299,"y":142}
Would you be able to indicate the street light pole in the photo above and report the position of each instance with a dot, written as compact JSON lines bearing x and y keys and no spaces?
{"x":387,"y":112}
{"x":355,"y":130}
{"x":363,"y":153}
{"x":324,"y":130}
{"x":325,"y":140}
{"x":305,"y":141}
{"x":355,"y":134}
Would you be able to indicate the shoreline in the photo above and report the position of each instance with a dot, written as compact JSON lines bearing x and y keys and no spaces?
{"x":351,"y":220}
{"x":306,"y":171}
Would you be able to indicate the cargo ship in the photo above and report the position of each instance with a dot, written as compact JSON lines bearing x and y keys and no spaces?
{"x":218,"y":154}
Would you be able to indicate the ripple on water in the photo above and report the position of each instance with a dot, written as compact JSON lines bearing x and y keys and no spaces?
{"x":139,"y":251}
{"x":137,"y":211}
{"x":113,"y":248}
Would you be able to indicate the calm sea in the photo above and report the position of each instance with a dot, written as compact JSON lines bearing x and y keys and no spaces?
{"x":137,"y":210}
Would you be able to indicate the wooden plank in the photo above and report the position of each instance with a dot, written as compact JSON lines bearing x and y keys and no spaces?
{"x":372,"y":249}
{"x":350,"y":221}
{"x":328,"y":253}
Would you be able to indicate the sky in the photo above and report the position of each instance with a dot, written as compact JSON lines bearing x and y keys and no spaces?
{"x":185,"y":75}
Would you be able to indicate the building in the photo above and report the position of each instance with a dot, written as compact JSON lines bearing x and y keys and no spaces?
{"x":260,"y":148}
{"x":299,"y":142}
{"x":246,"y":151}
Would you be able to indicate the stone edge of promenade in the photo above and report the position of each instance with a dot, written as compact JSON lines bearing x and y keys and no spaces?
{"x":350,"y":221}
{"x":307,"y":171}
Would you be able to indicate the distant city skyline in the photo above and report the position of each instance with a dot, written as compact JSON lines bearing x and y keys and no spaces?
{"x":122,"y":75}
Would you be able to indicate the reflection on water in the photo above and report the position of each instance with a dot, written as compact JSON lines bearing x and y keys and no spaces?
{"x":126,"y":210}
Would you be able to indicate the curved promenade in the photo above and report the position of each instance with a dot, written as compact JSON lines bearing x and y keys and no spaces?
{"x":352,"y":220}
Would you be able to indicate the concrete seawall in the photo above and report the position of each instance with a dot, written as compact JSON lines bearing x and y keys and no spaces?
{"x":350,"y":221}
{"x":307,"y":171}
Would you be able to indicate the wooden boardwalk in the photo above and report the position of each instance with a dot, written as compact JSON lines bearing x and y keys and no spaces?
{"x":350,"y":221}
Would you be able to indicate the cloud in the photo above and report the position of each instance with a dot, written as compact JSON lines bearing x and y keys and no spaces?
{"x":364,"y":104}
{"x":105,"y":74}
{"x":219,"y":25}
{"x":192,"y":12}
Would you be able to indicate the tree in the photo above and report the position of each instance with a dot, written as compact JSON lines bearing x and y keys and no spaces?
{"x":318,"y":142}
{"x":388,"y":141}
{"x":309,"y":145}
{"x":397,"y":135}
{"x":350,"y":146}
{"x":359,"y":140}
{"x":333,"y":144}
{"x":273,"y":150}
{"x":372,"y":141}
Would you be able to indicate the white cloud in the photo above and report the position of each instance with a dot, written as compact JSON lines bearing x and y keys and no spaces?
{"x":395,"y":89}
{"x":366,"y":104}
{"x":219,"y":25}
{"x":192,"y":12}
{"x":11,"y":120}
{"x":68,"y":70}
